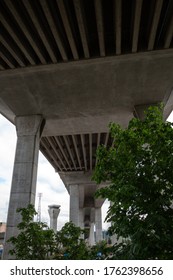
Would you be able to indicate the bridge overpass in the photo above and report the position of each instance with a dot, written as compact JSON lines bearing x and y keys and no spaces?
{"x":68,"y":68}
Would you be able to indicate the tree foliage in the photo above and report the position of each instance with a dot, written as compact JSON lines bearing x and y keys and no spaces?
{"x":35,"y":240}
{"x":70,"y":243}
{"x":138,"y":170}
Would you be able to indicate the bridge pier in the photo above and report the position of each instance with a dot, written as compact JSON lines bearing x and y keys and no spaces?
{"x":74,"y":204}
{"x":85,"y":210}
{"x":53,"y":211}
{"x":23,"y":186}
{"x":91,"y":234}
{"x":98,"y":223}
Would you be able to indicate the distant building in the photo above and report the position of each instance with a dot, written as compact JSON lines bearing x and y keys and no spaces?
{"x":2,"y":227}
{"x":2,"y":234}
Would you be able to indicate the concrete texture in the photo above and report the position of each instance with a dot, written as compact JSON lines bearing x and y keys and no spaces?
{"x":98,"y":224}
{"x":23,"y":187}
{"x":76,"y":102}
{"x":74,"y":204}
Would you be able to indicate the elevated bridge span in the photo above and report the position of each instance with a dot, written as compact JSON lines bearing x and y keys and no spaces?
{"x":67,"y":69}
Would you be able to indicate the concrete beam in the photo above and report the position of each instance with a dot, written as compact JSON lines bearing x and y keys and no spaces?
{"x":39,"y":29}
{"x":67,"y":27}
{"x":137,"y":19}
{"x":155,"y":23}
{"x":102,"y":90}
{"x":79,"y":177}
{"x":118,"y":25}
{"x":82,"y":27}
{"x":54,"y":30}
{"x":24,"y":28}
{"x":100,"y":26}
{"x":17,"y":39}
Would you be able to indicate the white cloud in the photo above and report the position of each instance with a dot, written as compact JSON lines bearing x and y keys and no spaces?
{"x":48,"y":181}
{"x":170,"y":118}
{"x":7,"y":152}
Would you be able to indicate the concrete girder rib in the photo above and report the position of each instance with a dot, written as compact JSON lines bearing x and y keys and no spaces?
{"x":23,"y":187}
{"x":17,"y":40}
{"x":24,"y":28}
{"x":100,"y":26}
{"x":40,"y":31}
{"x":138,"y":9}
{"x":118,"y":25}
{"x":155,"y":25}
{"x":82,"y":27}
{"x":68,"y":28}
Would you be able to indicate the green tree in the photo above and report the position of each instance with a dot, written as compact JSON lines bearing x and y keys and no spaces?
{"x":70,"y":243}
{"x":35,"y":240}
{"x":99,"y":251}
{"x":138,"y":170}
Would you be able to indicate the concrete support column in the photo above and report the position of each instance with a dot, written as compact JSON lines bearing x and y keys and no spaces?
{"x":81,"y":218}
{"x":53,"y":213}
{"x":74,"y":204}
{"x":23,"y":187}
{"x":81,"y":221}
{"x":114,"y":238}
{"x":91,"y":235}
{"x":98,"y":224}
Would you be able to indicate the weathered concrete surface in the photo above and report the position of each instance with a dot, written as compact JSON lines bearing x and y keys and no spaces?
{"x":85,"y":96}
{"x":86,"y":188}
{"x":23,"y":187}
{"x":98,"y":224}
{"x":74,"y":204}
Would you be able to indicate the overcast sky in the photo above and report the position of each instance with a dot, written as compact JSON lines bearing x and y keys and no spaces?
{"x":48,"y":182}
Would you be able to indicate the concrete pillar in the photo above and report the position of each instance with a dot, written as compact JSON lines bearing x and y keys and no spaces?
{"x":53,"y":213}
{"x":81,"y":221}
{"x":91,"y":235}
{"x":74,"y":204}
{"x":81,"y":218}
{"x":98,"y":224}
{"x":23,"y":187}
{"x":114,"y":237}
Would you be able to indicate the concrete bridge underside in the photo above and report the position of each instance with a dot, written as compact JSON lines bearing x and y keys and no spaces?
{"x":67,"y":69}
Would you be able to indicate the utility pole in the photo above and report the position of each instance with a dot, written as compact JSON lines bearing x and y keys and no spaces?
{"x":39,"y":207}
